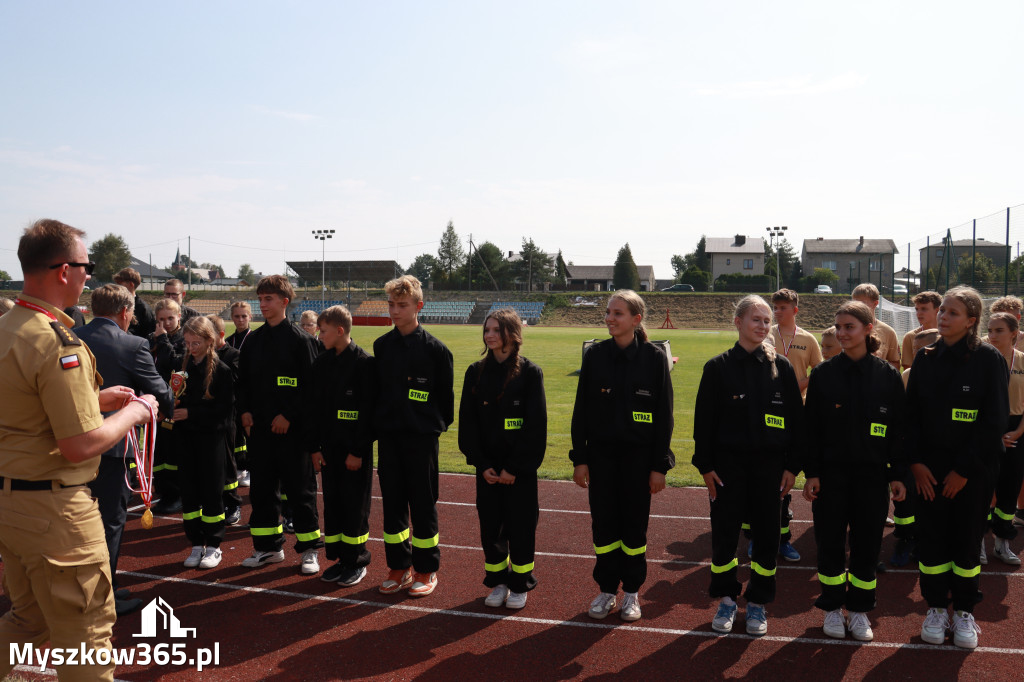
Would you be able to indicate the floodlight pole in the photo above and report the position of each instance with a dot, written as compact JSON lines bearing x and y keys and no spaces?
{"x":323,"y":236}
{"x":775,"y":234}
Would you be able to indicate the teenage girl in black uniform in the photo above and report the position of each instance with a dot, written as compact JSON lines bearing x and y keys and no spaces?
{"x":503,"y":428}
{"x":855,"y":413}
{"x":748,"y":424}
{"x":957,"y":411}
{"x":621,"y":430}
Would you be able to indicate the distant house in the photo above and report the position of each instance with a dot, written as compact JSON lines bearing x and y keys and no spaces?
{"x":599,"y":277}
{"x":935,"y":254}
{"x":739,"y":254}
{"x":152,"y":278}
{"x":852,"y":260}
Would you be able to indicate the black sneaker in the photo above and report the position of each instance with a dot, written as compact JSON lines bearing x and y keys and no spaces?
{"x":233,"y":516}
{"x":164,"y":508}
{"x":333,"y":573}
{"x":289,"y":527}
{"x":352,"y":576}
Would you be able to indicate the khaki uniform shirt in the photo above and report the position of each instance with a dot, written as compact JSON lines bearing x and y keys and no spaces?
{"x":1016,"y":365}
{"x":49,"y":390}
{"x":890,"y":348}
{"x":801,"y":349}
{"x":907,"y":354}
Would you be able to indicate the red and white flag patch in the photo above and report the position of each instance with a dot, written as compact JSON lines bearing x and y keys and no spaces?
{"x":69,"y":361}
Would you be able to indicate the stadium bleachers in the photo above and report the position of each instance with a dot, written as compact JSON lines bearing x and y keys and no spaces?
{"x":317,"y":307}
{"x":447,"y":312}
{"x":208,"y":306}
{"x":371,"y":309}
{"x":529,"y":311}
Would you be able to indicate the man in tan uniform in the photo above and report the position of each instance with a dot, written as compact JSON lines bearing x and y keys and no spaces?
{"x":889,"y":350}
{"x":926,"y":306}
{"x":55,"y":563}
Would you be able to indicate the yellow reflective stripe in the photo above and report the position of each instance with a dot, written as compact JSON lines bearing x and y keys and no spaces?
{"x":1003,"y":515}
{"x":188,"y":516}
{"x":877,"y":430}
{"x":333,"y":538}
{"x":266,"y":531}
{"x":903,"y":520}
{"x":171,"y":467}
{"x":966,"y":572}
{"x":284,"y":498}
{"x":608,"y":548}
{"x":832,"y":579}
{"x":159,"y":467}
{"x":728,"y":567}
{"x":493,"y":568}
{"x":241,"y":448}
{"x":395,"y":538}
{"x":308,"y":537}
{"x":643,"y":417}
{"x":418,"y":396}
{"x":426,"y":543}
{"x":744,"y":526}
{"x":525,"y":568}
{"x":634,"y":552}
{"x":936,"y":570}
{"x":774,"y":421}
{"x":965,"y":415}
{"x":231,"y":486}
{"x":862,"y":584}
{"x":988,"y":517}
{"x":287,"y":381}
{"x":354,"y":540}
{"x":131,"y":465}
{"x":761,"y":570}
{"x":212,"y":519}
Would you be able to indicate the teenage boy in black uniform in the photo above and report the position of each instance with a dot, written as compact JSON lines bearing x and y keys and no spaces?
{"x":417,"y":402}
{"x":339,"y":436}
{"x":275,"y":364}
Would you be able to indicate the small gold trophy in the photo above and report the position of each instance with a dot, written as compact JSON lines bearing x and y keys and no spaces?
{"x":177,"y":382}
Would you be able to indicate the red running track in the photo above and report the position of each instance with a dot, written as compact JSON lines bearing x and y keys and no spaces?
{"x":274,"y":624}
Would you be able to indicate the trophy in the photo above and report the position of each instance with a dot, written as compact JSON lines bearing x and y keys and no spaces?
{"x":177,"y":382}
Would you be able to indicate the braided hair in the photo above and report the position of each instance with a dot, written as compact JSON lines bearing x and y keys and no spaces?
{"x":203,"y":328}
{"x":510,"y":327}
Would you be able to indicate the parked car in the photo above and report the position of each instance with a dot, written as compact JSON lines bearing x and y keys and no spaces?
{"x":823,"y":289}
{"x":899,"y":290}
{"x":679,"y":287}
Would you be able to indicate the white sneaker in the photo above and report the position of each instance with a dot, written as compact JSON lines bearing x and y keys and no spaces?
{"x":602,"y":605}
{"x":630,"y":609}
{"x":835,"y":625}
{"x":982,"y":557}
{"x":243,"y":478}
{"x":195,"y":557}
{"x":259,"y":558}
{"x":516,"y":600}
{"x":725,"y":617}
{"x":212,"y":557}
{"x":497,"y":596}
{"x":310,"y":562}
{"x":860,"y":626}
{"x":757,"y":619}
{"x":1004,"y":553}
{"x":935,"y":625}
{"x":965,"y":630}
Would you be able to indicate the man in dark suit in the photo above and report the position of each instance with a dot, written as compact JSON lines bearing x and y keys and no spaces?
{"x":122,"y":360}
{"x":145,"y":321}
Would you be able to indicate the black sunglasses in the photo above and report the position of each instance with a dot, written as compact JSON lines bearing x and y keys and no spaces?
{"x":89,"y":267}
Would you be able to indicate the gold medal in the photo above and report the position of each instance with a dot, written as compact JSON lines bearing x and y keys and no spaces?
{"x":147,"y":519}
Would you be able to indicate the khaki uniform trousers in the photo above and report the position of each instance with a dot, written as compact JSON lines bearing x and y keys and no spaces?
{"x":56,"y":574}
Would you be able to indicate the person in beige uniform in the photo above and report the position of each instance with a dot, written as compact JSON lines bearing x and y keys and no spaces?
{"x":889,"y":350}
{"x":798,"y":345}
{"x":56,"y":567}
{"x":926,"y":307}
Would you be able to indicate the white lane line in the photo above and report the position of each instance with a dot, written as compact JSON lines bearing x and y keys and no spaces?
{"x":677,"y":632}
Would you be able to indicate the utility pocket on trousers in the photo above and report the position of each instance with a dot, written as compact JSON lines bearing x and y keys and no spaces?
{"x":23,"y":522}
{"x":78,"y":587}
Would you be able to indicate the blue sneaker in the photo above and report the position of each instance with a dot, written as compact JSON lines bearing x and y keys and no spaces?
{"x":757,"y":619}
{"x":901,"y":555}
{"x":750,"y":549}
{"x":787,"y":552}
{"x":725,"y":617}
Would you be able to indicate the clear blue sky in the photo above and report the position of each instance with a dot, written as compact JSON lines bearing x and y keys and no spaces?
{"x":583,"y":125}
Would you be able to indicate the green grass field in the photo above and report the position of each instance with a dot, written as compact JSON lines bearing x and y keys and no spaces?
{"x":558,"y":351}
